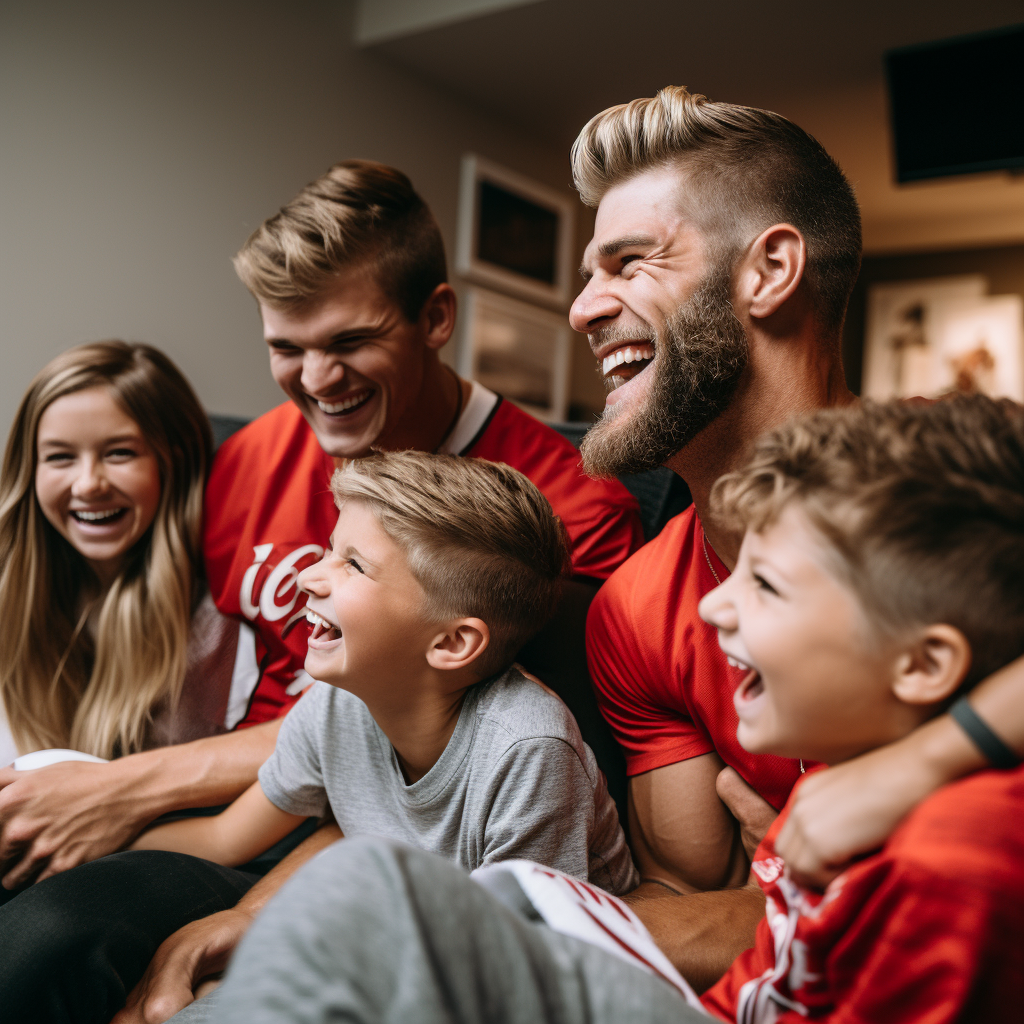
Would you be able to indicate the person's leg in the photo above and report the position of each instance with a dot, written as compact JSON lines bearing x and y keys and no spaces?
{"x":371,"y":931}
{"x":74,"y":946}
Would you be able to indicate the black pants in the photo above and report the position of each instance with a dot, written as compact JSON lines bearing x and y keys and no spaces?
{"x":74,"y":946}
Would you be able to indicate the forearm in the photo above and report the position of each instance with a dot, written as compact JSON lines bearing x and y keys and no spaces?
{"x":198,"y":774}
{"x":255,"y":899}
{"x":199,"y":837}
{"x":701,"y":933}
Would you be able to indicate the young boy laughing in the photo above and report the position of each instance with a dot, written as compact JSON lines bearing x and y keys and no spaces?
{"x":880,"y":578}
{"x":419,"y":728}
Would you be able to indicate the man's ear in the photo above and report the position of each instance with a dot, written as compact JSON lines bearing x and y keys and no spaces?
{"x":772,"y":270}
{"x":933,"y":667}
{"x":460,"y":645}
{"x":437,"y":318}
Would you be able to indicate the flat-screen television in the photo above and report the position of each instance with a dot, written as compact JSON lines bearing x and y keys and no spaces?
{"x":957,"y":105}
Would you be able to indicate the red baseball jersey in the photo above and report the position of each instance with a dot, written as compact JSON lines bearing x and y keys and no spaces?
{"x":269,"y":510}
{"x":662,"y":681}
{"x":928,"y":930}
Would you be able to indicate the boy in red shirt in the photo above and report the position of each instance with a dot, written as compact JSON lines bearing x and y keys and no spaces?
{"x":878,"y":581}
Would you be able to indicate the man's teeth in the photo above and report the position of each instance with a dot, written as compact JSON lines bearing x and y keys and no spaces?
{"x":92,"y":517}
{"x":629,"y":354}
{"x":345,"y":403}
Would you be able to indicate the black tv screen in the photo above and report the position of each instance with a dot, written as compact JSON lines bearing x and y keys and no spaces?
{"x":958,"y":105}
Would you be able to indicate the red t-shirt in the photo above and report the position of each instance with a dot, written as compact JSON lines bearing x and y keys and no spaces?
{"x":662,"y":681}
{"x":269,"y":510}
{"x":928,"y":930}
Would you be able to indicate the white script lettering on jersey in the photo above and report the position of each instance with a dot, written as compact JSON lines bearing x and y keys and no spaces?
{"x":273,"y":594}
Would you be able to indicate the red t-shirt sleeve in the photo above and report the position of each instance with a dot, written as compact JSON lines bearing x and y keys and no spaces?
{"x":630,"y":656}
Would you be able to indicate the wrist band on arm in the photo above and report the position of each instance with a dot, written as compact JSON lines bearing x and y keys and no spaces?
{"x":998,"y":753}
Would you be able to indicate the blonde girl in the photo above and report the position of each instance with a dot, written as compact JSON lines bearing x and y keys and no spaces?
{"x":100,"y":548}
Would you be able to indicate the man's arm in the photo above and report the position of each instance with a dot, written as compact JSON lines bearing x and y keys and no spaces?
{"x":54,"y":818}
{"x":681,"y":833}
{"x":853,"y":807}
{"x":242,"y":831}
{"x":203,"y":948}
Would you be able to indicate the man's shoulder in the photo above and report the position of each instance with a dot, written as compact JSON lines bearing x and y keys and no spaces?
{"x":515,"y":707}
{"x":274,"y":431}
{"x":652,"y":576}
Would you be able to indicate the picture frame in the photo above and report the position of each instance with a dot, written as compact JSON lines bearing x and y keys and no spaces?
{"x":518,"y":350}
{"x":514,"y":234}
{"x":934,"y":336}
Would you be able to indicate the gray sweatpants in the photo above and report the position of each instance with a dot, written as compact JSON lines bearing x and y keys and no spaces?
{"x":373,"y":931}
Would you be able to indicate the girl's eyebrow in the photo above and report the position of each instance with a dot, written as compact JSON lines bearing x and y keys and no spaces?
{"x":53,"y":442}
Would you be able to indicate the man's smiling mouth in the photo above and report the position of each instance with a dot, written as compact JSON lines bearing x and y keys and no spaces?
{"x":347,"y":404}
{"x":626,"y":362}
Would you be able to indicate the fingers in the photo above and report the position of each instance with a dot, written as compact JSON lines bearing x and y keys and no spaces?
{"x":165,"y":988}
{"x":804,"y":863}
{"x":7,"y":776}
{"x":752,"y":811}
{"x":23,"y":862}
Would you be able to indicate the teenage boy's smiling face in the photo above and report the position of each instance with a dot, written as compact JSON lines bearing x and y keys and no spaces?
{"x":365,"y":605}
{"x":351,"y":362}
{"x":820,"y":680}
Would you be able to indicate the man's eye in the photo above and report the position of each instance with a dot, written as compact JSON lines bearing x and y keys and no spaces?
{"x":285,"y":348}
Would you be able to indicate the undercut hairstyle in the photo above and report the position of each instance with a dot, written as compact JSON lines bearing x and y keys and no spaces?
{"x":748,"y":169}
{"x":359,"y":212}
{"x":481,"y":540}
{"x":59,"y":686}
{"x":921,"y":506}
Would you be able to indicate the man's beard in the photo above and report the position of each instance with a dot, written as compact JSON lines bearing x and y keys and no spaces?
{"x":697,"y":367}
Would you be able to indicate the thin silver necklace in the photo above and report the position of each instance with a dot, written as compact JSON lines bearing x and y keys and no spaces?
{"x":707,"y":558}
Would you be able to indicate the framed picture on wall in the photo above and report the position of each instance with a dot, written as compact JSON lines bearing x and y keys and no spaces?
{"x":514,"y":234}
{"x":518,"y":350}
{"x":938,"y":335}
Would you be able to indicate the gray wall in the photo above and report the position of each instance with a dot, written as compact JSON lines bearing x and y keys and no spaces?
{"x":140,"y":143}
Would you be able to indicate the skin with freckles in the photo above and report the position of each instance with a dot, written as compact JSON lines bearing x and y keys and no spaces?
{"x":363,"y":375}
{"x":97,"y":481}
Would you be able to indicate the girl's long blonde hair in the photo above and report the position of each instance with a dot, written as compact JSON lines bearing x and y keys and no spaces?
{"x":58,"y":687}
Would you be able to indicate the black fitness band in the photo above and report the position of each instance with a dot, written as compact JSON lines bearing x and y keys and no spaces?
{"x":998,"y":753}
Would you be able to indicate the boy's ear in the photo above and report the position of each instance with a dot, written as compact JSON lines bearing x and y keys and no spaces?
{"x":460,"y":645}
{"x":931,"y":669}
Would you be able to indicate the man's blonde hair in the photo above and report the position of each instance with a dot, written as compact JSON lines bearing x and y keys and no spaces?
{"x":749,"y":169}
{"x":359,"y":212}
{"x":922,"y":506}
{"x":480,"y":538}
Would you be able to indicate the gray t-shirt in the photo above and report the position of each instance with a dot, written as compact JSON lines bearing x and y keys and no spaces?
{"x":516,"y":780}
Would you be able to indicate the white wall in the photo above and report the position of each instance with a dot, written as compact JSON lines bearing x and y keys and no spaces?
{"x":140,"y":143}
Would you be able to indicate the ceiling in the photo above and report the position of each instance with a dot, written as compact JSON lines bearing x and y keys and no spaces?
{"x":548,"y":66}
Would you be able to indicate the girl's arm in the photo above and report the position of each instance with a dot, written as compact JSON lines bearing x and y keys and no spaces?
{"x":853,"y":807}
{"x":244,"y":830}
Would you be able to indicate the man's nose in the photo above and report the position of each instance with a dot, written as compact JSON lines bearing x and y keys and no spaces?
{"x":90,"y":480}
{"x":321,"y":372}
{"x":594,"y":307}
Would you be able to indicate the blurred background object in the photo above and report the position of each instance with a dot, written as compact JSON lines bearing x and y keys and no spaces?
{"x":143,"y":142}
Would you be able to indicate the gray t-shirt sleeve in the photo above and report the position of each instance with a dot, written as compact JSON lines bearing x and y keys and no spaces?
{"x":292,"y":777}
{"x":542,"y":807}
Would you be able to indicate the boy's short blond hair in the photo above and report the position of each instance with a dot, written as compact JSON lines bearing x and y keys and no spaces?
{"x":922,"y":504}
{"x":480,"y":538}
{"x":359,"y":212}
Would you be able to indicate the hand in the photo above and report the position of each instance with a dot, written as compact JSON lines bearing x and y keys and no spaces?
{"x":748,"y":807}
{"x":847,"y":810}
{"x":55,"y":818}
{"x":175,"y":976}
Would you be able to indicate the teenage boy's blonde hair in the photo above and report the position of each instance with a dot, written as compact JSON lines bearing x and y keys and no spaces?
{"x":481,"y":539}
{"x":749,"y":169}
{"x":359,"y":212}
{"x":922,"y":504}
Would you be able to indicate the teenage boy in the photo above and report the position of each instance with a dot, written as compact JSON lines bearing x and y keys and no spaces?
{"x":878,"y":580}
{"x":350,"y":280}
{"x":437,"y":572}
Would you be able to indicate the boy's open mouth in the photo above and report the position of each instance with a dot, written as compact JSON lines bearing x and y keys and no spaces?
{"x":625,"y":362}
{"x":323,"y":630}
{"x":747,"y":693}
